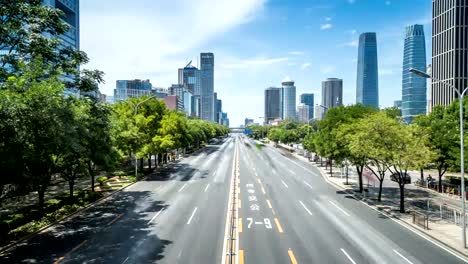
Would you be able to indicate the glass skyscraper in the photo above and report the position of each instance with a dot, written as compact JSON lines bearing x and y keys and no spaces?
{"x":367,"y":86}
{"x":207,"y":86}
{"x":289,"y":99}
{"x":332,"y":94}
{"x":273,"y":104}
{"x":414,"y":99}
{"x":308,"y":99}
{"x":125,"y":89}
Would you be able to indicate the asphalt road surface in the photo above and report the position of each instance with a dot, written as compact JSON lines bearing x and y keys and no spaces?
{"x":287,"y":213}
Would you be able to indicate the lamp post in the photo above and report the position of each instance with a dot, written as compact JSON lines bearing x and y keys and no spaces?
{"x":136,"y":112}
{"x":462,"y":147}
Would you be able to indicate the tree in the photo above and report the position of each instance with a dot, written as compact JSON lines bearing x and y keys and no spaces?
{"x":274,"y":135}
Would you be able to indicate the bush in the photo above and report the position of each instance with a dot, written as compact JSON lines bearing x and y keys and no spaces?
{"x":101,"y":180}
{"x":120,"y":173}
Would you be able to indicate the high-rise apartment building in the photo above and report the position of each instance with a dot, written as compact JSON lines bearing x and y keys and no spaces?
{"x":414,"y":98}
{"x":367,"y":84}
{"x":207,"y":86}
{"x":332,"y":93}
{"x":289,"y":99}
{"x":273,"y":104}
{"x":308,"y":99}
{"x":449,"y":49}
{"x":303,"y":111}
{"x":319,"y":112}
{"x":131,"y":88}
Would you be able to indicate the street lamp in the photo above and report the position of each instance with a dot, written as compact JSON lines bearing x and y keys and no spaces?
{"x":136,"y":112}
{"x":462,"y":161}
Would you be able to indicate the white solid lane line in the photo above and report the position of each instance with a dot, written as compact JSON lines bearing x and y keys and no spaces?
{"x":181,"y":188}
{"x":285,"y":185}
{"x":206,"y":188}
{"x":308,"y":185}
{"x":305,"y":207}
{"x":348,"y":256}
{"x":193,"y":214}
{"x":403,"y":257}
{"x":292,"y":172}
{"x":156,"y":215}
{"x":339,"y":208}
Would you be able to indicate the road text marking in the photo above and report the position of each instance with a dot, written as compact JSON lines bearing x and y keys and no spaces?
{"x":292,"y":257}
{"x":348,"y":256}
{"x":403,"y":257}
{"x":190,"y":219}
{"x":278,"y":225}
{"x":339,"y":208}
{"x":305,"y":207}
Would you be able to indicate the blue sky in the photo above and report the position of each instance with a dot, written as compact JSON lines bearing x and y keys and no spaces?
{"x":257,"y":43}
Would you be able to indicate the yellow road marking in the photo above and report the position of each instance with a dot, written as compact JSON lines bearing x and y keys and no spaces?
{"x":278,"y":225}
{"x":273,"y":210}
{"x":241,"y":256}
{"x":263,"y":190}
{"x":115,"y":219}
{"x":291,"y":256}
{"x":239,"y":203}
{"x":259,"y":181}
{"x":240,"y":225}
{"x":269,"y":204}
{"x":71,"y":251}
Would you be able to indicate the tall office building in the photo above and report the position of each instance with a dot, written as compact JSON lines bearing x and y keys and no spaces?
{"x":303,"y":111}
{"x":273,"y":104}
{"x":207,"y":86}
{"x":184,"y":97}
{"x":449,"y":49}
{"x":289,"y":99}
{"x":219,"y":110}
{"x":125,"y":89}
{"x":308,"y":99}
{"x":332,"y":93}
{"x":71,"y":10}
{"x":319,"y":112}
{"x":414,"y":87}
{"x":367,"y":84}
{"x":190,"y":77}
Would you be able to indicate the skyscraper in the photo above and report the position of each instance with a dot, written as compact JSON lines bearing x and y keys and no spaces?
{"x":190,"y":77}
{"x":449,"y":49}
{"x":308,"y":99}
{"x":289,"y":99}
{"x":273,"y":104}
{"x":367,"y":84}
{"x":125,"y":89}
{"x":207,"y":86}
{"x":219,"y":110}
{"x":332,"y":92}
{"x":414,"y":87}
{"x":303,"y":113}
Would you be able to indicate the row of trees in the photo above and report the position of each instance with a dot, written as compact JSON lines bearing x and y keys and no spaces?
{"x":45,"y":133}
{"x":380,"y":142}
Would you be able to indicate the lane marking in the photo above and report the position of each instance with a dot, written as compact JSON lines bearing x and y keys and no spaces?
{"x":273,"y":210}
{"x":241,"y":256}
{"x":115,"y":219}
{"x":274,"y":171}
{"x":263,"y":190}
{"x":125,"y":260}
{"x":348,"y":256}
{"x":156,"y":215}
{"x":259,"y":180}
{"x":191,"y":217}
{"x":403,"y":257}
{"x":71,"y":251}
{"x":285,"y":185}
{"x":339,"y":208}
{"x":207,"y":186}
{"x":292,"y":257}
{"x":278,"y":225}
{"x":157,"y":188}
{"x":292,"y":172}
{"x":239,"y":225}
{"x":239,"y":203}
{"x":305,"y":207}
{"x":181,"y":188}
{"x":269,"y":204}
{"x":308,"y":185}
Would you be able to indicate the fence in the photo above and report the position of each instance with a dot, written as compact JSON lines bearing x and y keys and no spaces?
{"x":420,"y":219}
{"x":439,"y":211}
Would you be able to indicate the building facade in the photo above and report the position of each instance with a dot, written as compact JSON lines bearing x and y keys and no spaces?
{"x":319,"y":112}
{"x":367,"y":82}
{"x":273,"y":104}
{"x":190,"y":77}
{"x":414,"y":96}
{"x":308,"y":99}
{"x":449,"y":49}
{"x":219,"y":110}
{"x":207,"y":86}
{"x":303,"y":111}
{"x":131,"y":88}
{"x":289,"y":99}
{"x":332,"y":93}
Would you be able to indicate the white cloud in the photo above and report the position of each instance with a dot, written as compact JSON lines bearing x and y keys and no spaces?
{"x":244,"y":64}
{"x":305,"y":65}
{"x":326,"y":69}
{"x":328,"y":19}
{"x":352,"y":43}
{"x":296,"y":52}
{"x":326,"y":26}
{"x":152,"y":39}
{"x":353,"y":32}
{"x":385,"y":71}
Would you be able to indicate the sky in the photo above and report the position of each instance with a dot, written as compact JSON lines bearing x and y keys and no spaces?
{"x":256,"y":43}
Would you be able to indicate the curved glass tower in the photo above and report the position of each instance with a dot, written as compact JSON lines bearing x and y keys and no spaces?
{"x":414,"y":99}
{"x":289,"y":99}
{"x":367,"y":86}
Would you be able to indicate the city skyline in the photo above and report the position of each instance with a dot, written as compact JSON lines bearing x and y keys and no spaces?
{"x":255,"y":63}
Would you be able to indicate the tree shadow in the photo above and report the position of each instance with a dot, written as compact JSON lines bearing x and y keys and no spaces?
{"x":109,"y":232}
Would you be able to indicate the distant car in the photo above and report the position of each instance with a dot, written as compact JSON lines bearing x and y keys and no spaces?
{"x":406,"y":178}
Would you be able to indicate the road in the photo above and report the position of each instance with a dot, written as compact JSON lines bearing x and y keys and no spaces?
{"x":286,"y":213}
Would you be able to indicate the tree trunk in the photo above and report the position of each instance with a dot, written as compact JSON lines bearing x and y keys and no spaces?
{"x":91,"y":173}
{"x":422,"y":177}
{"x":379,"y":198}
{"x":141,"y":165}
{"x":331,"y":168}
{"x":41,"y":192}
{"x":71,"y":184}
{"x":440,"y":179}
{"x":402,"y":198}
{"x":149,"y":162}
{"x":347,"y":174}
{"x":359,"y":169}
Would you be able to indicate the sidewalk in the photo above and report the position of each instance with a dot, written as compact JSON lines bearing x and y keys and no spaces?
{"x":440,"y":229}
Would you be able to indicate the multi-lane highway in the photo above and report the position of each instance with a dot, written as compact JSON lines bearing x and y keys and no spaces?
{"x":286,"y":213}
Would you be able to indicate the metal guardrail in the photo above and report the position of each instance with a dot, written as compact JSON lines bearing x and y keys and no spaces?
{"x":420,"y":219}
